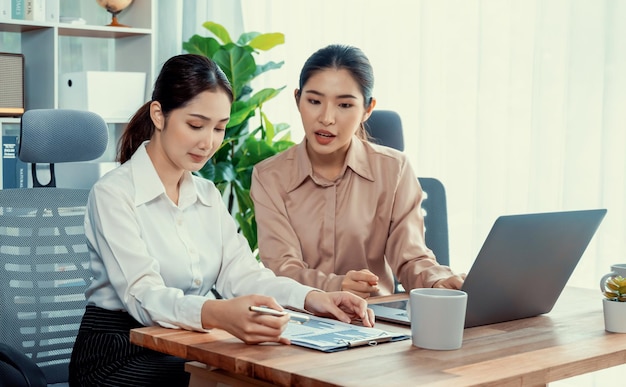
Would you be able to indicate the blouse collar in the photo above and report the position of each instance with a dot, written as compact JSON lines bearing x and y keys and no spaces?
{"x":357,"y":159}
{"x":148,"y":185}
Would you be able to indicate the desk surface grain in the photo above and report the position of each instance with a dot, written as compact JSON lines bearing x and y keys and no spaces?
{"x":568,"y":341}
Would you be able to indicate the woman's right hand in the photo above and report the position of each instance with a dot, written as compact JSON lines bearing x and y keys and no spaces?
{"x":250,"y":327}
{"x":362,"y":282}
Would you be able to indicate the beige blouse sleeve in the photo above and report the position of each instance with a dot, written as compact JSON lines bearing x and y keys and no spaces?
{"x":406,"y":248}
{"x":279,"y":246}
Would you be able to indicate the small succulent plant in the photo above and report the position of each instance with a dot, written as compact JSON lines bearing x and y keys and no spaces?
{"x":615,"y":289}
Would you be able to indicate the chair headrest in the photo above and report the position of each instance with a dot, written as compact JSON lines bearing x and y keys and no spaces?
{"x":61,"y":135}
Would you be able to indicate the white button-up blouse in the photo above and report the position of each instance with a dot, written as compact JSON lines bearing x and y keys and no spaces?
{"x":159,"y":261}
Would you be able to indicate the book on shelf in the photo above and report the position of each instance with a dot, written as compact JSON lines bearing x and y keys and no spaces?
{"x":18,"y":9}
{"x":35,"y":10}
{"x":14,"y":170}
{"x":21,"y":174}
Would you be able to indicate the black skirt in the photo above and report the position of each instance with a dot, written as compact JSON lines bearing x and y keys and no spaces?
{"x":104,"y":356}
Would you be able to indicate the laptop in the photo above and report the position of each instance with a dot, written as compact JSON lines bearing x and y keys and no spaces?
{"x":521,"y":269}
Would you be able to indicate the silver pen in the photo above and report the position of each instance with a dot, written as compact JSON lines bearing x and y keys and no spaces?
{"x":274,"y":312}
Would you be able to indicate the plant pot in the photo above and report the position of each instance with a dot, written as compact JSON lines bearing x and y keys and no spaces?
{"x":614,"y":316}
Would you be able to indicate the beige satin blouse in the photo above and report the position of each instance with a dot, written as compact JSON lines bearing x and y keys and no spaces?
{"x":315,"y":231}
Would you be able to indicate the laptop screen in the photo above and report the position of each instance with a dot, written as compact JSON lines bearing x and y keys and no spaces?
{"x":521,"y":269}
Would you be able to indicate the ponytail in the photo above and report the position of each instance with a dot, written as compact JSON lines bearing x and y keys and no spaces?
{"x":138,"y":130}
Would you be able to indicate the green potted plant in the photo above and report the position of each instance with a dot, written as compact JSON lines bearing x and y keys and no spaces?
{"x":614,"y":304}
{"x":246,"y":141}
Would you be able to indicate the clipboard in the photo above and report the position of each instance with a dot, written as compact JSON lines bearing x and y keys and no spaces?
{"x":328,"y":335}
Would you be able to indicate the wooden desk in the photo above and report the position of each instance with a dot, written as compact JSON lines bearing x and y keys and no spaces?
{"x":568,"y":341}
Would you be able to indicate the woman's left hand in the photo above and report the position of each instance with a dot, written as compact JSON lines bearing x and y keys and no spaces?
{"x":344,"y":306}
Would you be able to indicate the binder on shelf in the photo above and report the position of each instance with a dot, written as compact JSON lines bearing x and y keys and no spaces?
{"x":13,"y":171}
{"x":51,"y":8}
{"x":5,"y":9}
{"x":9,"y":157}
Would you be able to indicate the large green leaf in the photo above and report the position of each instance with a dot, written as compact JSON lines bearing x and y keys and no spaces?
{"x":244,"y":177}
{"x":202,"y":46}
{"x":282,"y":145}
{"x":260,"y":97}
{"x":208,"y":171}
{"x":246,"y":90}
{"x":254,"y":150}
{"x":238,"y":65}
{"x":281,"y":127}
{"x":241,"y":112}
{"x":246,"y":37}
{"x":224,"y":171}
{"x":243,"y":197}
{"x":267,"y":41}
{"x":269,"y":129}
{"x":219,"y":31}
{"x":260,"y":69}
{"x":247,"y":225}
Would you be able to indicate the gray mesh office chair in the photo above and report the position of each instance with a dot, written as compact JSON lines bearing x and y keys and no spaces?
{"x":385,"y":128}
{"x":43,"y":253}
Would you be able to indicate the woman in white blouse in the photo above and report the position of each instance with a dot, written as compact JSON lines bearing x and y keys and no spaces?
{"x":161,"y":238}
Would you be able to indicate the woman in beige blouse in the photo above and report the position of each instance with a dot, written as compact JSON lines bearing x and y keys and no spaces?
{"x":337,"y":212}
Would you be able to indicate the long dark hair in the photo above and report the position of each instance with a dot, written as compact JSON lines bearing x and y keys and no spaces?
{"x":352,"y":59}
{"x":181,"y":79}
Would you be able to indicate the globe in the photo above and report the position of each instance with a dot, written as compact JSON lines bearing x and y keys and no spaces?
{"x":114,"y":7}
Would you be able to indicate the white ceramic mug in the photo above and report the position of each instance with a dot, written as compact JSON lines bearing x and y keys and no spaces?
{"x":437,"y":317}
{"x":616,"y":269}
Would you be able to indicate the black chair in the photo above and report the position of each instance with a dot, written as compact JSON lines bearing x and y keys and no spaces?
{"x":44,"y":262}
{"x":385,"y":128}
{"x":435,"y":213}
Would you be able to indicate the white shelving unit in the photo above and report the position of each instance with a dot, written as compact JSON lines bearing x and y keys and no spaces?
{"x":52,"y":49}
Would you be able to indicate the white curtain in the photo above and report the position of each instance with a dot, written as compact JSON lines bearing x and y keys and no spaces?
{"x":180,"y":19}
{"x":516,"y":105}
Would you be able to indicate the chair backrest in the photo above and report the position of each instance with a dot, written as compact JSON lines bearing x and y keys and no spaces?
{"x":385,"y":128}
{"x":435,"y":211}
{"x":44,"y":262}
